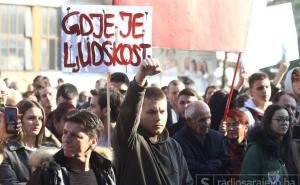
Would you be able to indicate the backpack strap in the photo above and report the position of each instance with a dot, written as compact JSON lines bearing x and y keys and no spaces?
{"x":256,"y":115}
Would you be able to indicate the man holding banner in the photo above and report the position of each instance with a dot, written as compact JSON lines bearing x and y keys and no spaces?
{"x":144,"y":152}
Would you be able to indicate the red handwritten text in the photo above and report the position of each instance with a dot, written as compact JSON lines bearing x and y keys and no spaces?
{"x":103,"y":48}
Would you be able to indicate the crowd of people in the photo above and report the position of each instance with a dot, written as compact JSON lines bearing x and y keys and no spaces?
{"x":150,"y":135}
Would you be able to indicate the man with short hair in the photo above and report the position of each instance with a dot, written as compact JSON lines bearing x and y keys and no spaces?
{"x":100,"y":83}
{"x":119,"y":81}
{"x":39,"y":82}
{"x":204,"y":149}
{"x":47,"y":98}
{"x":67,"y":93}
{"x":174,"y":87}
{"x":185,"y":97}
{"x":98,"y":105}
{"x":144,"y":152}
{"x":260,"y":91}
{"x":76,"y":162}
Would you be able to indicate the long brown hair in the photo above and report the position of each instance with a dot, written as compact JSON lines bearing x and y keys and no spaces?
{"x":23,"y":107}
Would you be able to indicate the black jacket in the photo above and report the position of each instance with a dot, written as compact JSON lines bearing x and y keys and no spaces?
{"x":138,"y":161}
{"x":14,"y":168}
{"x":53,"y":171}
{"x":172,"y":129}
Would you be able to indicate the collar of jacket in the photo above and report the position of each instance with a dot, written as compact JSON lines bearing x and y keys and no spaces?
{"x":46,"y":156}
{"x":95,"y":160}
{"x":14,"y":145}
{"x":162,"y":138}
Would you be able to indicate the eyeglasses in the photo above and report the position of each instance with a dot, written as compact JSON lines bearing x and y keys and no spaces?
{"x":291,"y":107}
{"x":282,"y":119}
{"x":234,"y":125}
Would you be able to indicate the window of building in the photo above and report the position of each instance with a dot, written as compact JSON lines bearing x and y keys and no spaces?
{"x":12,"y":38}
{"x":50,"y":39}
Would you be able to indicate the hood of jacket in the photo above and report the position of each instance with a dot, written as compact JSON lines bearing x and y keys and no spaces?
{"x":162,"y":138}
{"x":46,"y":156}
{"x":259,"y":136}
{"x":288,"y":86}
{"x":250,"y":104}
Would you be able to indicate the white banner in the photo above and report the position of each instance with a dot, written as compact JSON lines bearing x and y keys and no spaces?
{"x":105,"y":38}
{"x":272,"y":37}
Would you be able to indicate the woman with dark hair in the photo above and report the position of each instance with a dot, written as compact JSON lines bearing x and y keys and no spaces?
{"x":263,"y":162}
{"x":236,"y":128}
{"x":217,"y":105}
{"x":209,"y":91}
{"x":14,"y":168}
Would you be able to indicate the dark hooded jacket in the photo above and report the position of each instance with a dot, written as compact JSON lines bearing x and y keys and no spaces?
{"x":138,"y":160}
{"x":263,"y":160}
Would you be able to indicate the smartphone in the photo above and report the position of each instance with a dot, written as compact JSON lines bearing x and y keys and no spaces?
{"x":296,"y":132}
{"x":11,"y":118}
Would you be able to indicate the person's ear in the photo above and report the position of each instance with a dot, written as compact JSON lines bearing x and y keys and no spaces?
{"x":250,"y":91}
{"x":246,"y":128}
{"x":93,"y":143}
{"x":104,"y":111}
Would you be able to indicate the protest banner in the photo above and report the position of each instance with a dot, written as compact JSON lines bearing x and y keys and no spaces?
{"x":105,"y":38}
{"x":214,"y":25}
